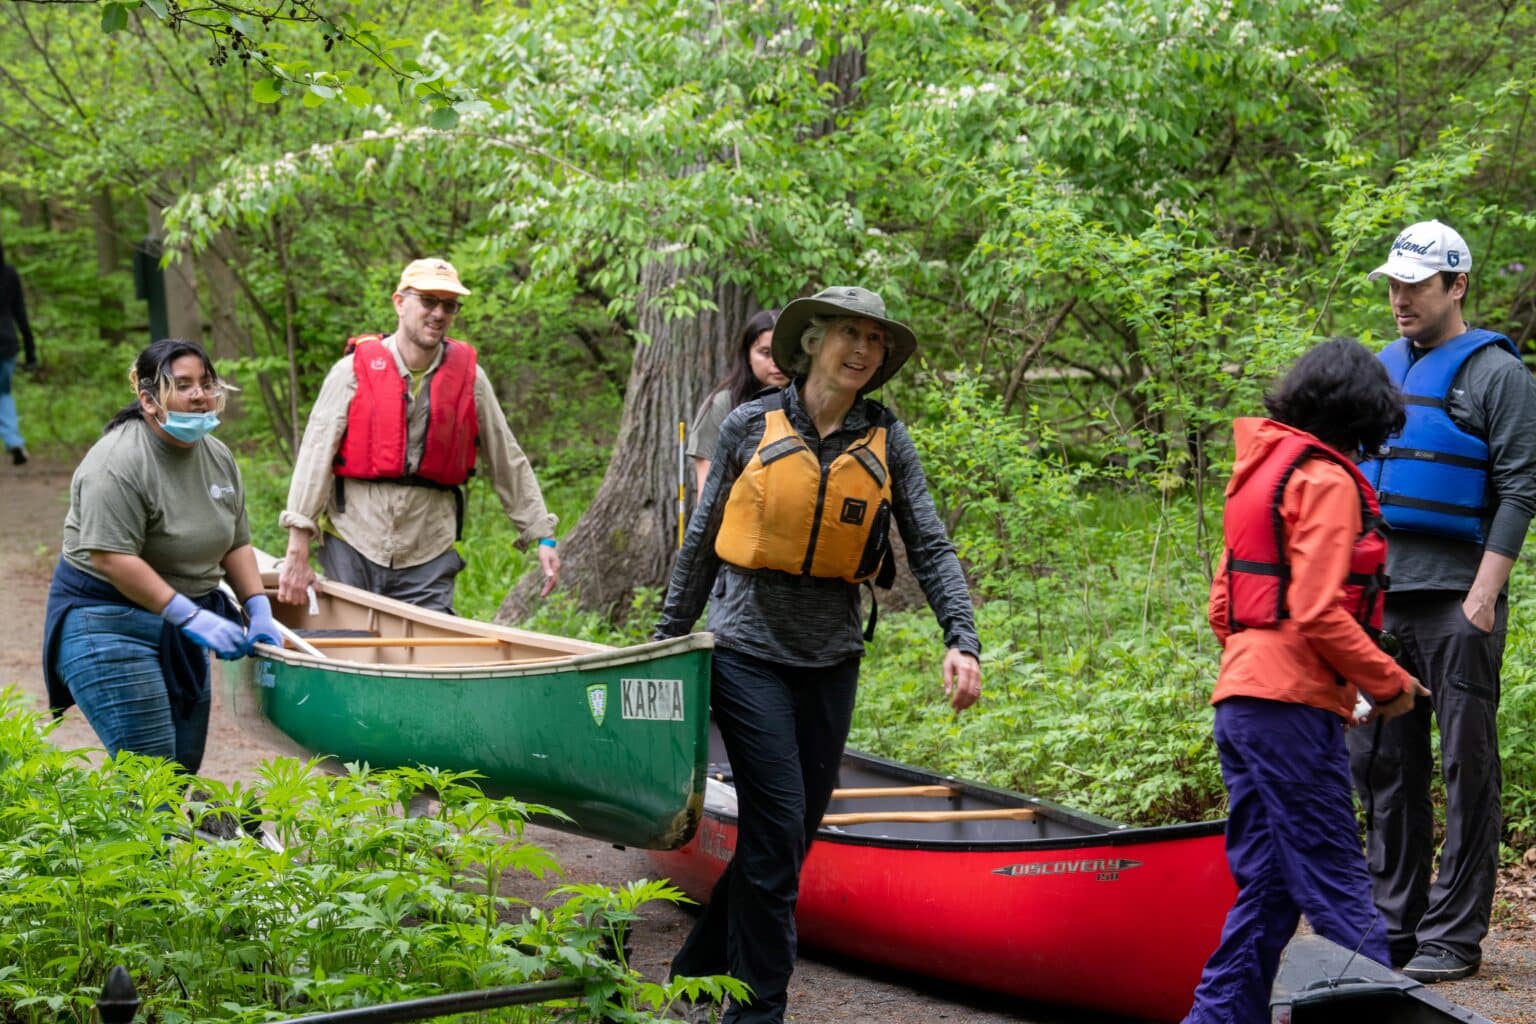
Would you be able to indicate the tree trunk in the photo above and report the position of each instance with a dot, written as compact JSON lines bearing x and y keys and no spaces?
{"x":109,"y":314}
{"x":184,"y":318}
{"x":227,"y":337}
{"x":628,"y":536}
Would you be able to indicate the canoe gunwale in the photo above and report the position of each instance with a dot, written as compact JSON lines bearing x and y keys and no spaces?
{"x":606,"y":658}
{"x":1096,"y":830}
{"x":1124,"y":835}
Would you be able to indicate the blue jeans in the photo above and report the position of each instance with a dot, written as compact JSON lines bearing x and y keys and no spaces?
{"x":109,"y":657}
{"x":1294,"y":848}
{"x":10,"y":426}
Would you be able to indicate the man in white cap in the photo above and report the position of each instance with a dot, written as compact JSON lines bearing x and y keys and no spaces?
{"x":1458,"y":489}
{"x":400,"y":424}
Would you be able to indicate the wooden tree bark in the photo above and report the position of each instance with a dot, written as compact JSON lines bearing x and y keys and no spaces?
{"x":628,"y":536}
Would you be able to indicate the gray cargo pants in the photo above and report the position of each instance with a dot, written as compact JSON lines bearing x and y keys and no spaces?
{"x":1392,"y":764}
{"x":428,"y":585}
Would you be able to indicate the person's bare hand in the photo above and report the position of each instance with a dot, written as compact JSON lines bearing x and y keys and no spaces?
{"x":549,"y":563}
{"x":294,"y":576}
{"x":962,"y":679}
{"x":1480,"y":610}
{"x":1399,"y":705}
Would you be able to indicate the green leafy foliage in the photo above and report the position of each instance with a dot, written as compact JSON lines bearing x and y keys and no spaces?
{"x":1111,"y":222}
{"x":365,"y":906}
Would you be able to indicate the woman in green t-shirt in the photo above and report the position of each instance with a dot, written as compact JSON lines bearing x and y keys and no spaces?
{"x":156,"y":522}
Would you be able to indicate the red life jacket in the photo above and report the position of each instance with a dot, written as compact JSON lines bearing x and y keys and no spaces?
{"x":374,"y":445}
{"x":1257,"y":573}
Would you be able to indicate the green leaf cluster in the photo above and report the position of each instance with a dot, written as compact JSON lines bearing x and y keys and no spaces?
{"x":102,"y":867}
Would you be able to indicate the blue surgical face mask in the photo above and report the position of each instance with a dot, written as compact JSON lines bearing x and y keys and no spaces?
{"x":188,"y":427}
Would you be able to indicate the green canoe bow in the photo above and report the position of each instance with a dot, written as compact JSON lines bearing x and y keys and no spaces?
{"x":617,"y":738}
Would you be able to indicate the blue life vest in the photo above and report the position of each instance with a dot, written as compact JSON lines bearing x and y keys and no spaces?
{"x":1433,"y":477}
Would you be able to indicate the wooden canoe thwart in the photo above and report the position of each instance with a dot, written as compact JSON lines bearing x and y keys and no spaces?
{"x":979,"y":886}
{"x":617,"y":738}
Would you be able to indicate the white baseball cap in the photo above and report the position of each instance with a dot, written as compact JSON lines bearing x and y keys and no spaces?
{"x":1423,"y":250}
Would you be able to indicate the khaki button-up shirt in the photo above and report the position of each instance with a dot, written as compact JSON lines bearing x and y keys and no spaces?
{"x":396,"y":525}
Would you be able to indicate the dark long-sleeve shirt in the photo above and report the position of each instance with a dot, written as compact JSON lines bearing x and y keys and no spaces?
{"x":1494,"y":397}
{"x":14,"y":326}
{"x":796,"y":620}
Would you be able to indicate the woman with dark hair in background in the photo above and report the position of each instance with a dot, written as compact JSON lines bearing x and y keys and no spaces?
{"x":156,"y":522}
{"x":1297,"y":606}
{"x":15,"y":331}
{"x":753,"y":370}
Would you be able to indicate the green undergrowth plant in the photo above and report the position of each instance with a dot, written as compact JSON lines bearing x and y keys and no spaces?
{"x":1108,"y":716}
{"x":1110,"y":712}
{"x":100,"y":866}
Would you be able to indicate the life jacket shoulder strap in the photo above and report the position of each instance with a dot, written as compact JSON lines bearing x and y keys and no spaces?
{"x":357,"y":340}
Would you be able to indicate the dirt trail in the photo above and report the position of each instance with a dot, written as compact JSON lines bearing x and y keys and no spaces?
{"x":33,"y":500}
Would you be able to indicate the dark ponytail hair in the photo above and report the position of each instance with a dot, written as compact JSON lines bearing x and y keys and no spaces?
{"x":1340,"y":394}
{"x":151,"y":372}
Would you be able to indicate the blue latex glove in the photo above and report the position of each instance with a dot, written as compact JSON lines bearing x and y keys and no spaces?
{"x":214,"y":632}
{"x":263,"y":627}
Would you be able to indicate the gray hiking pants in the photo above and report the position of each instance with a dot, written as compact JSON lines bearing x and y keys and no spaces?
{"x":428,"y":585}
{"x":1392,"y":765}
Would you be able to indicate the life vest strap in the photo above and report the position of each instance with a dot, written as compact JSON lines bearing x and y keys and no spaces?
{"x":1444,"y":458}
{"x":1259,"y":568}
{"x":1425,"y":400}
{"x":1427,"y":505}
{"x":813,"y":582}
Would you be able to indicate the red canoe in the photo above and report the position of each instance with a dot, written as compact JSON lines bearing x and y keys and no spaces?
{"x":985,"y":887}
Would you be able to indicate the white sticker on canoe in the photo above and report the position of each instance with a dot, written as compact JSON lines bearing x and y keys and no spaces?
{"x":653,"y":700}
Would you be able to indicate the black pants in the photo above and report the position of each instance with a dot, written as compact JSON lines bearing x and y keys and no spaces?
{"x":784,"y":729}
{"x":1460,"y":664}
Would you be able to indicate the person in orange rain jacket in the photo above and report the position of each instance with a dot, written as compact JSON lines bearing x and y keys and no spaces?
{"x":1297,"y":607}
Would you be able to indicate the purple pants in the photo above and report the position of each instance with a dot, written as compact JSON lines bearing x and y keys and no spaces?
{"x":1293,"y":846}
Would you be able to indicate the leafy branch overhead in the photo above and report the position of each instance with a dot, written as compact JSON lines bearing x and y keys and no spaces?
{"x":252,"y":34}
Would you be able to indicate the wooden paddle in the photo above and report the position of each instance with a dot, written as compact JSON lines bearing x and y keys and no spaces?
{"x":920,"y":817}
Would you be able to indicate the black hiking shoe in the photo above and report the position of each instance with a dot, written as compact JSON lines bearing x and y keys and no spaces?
{"x":18,"y":455}
{"x":1434,"y":964}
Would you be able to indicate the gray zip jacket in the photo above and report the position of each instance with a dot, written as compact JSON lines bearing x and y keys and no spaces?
{"x":798,"y":620}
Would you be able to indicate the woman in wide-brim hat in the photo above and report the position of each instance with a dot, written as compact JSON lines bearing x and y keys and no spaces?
{"x":796,"y":511}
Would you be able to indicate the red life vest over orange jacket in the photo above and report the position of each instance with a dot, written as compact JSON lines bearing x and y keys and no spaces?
{"x":1301,"y":576}
{"x":1253,"y":523}
{"x":374,"y":445}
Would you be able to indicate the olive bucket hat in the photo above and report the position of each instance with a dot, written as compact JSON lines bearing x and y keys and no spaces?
{"x":842,"y":301}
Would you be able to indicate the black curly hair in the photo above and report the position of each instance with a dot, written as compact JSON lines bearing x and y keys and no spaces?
{"x":1339,"y":393}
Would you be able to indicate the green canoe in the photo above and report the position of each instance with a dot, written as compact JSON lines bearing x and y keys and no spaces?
{"x":617,"y":738}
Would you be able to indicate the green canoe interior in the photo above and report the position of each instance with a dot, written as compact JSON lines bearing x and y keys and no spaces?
{"x":616,"y":738}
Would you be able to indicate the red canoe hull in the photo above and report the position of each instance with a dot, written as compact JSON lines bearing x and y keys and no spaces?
{"x":1121,"y":922}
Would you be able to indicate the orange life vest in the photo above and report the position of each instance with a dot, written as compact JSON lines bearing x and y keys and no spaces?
{"x":1257,"y":573}
{"x":374,"y":445}
{"x":788,"y":513}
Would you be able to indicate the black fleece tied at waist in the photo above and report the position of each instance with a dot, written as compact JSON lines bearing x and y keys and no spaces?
{"x":184,"y":664}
